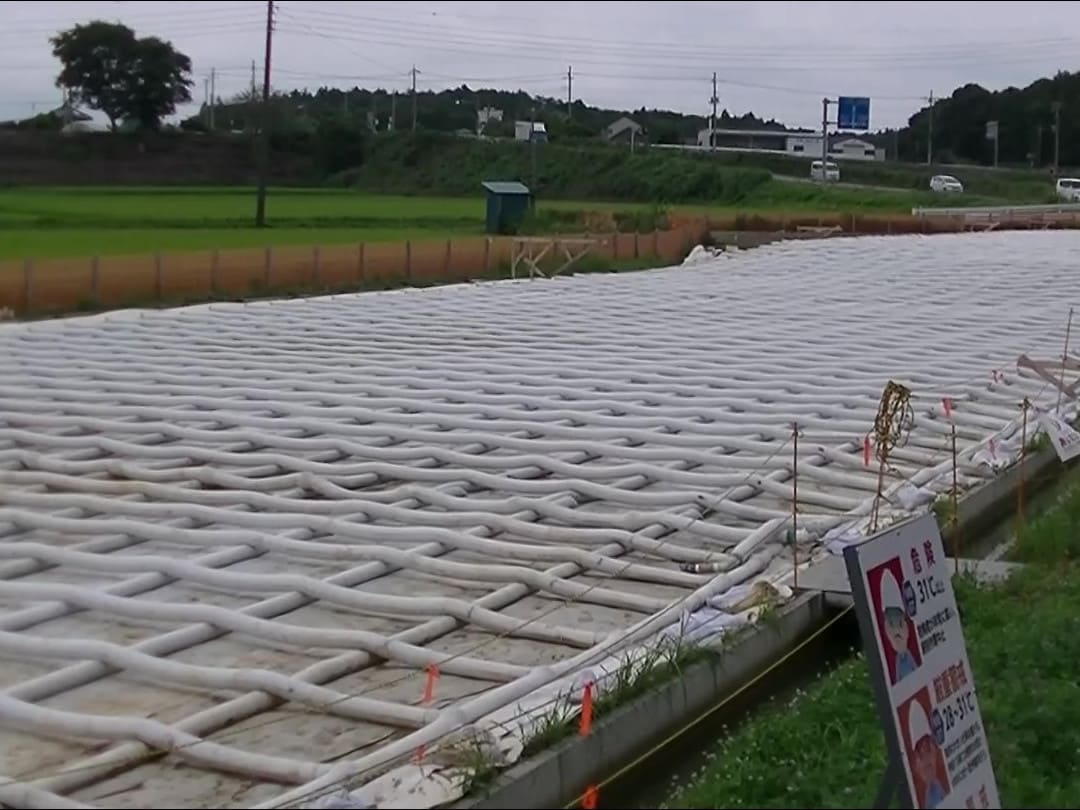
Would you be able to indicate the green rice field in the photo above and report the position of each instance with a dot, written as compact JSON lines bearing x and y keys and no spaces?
{"x":61,"y":222}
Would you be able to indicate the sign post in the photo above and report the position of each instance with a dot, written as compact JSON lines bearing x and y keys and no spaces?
{"x":925,"y":690}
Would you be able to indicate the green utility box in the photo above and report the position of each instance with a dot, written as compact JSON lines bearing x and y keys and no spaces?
{"x":508,"y":204}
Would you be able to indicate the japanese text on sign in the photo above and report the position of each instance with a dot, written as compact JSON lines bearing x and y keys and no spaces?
{"x":926,"y":692}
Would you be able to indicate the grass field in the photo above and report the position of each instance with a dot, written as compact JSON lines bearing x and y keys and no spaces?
{"x":55,"y":222}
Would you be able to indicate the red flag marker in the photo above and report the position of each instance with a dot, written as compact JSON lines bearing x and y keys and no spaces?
{"x":946,"y":403}
{"x":866,"y":451}
{"x":429,"y":684}
{"x":585,"y":721}
{"x":429,"y":693}
{"x":591,"y":798}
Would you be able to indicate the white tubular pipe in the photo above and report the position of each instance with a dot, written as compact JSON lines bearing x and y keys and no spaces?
{"x":278,"y":632}
{"x":56,"y":723}
{"x":20,"y":794}
{"x":231,"y":581}
{"x":331,"y":551}
{"x":389,"y":423}
{"x":396,"y":454}
{"x":337,"y":471}
{"x":473,"y":710}
{"x":204,"y":722}
{"x":345,"y":497}
{"x":379,"y":511}
{"x":18,"y":645}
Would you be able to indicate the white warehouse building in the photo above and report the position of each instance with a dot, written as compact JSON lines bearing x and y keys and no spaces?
{"x":840,"y":147}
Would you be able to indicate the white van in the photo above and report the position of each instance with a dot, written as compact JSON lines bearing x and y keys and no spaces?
{"x":1068,"y":189}
{"x":832,"y":171}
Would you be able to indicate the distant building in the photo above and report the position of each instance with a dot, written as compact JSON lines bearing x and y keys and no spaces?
{"x":624,"y":131}
{"x":767,"y":139}
{"x":486,"y":114}
{"x":855,"y":149}
{"x":841,"y":147}
{"x":530,"y":131}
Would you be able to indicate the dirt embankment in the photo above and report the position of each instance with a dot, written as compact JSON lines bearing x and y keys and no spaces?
{"x":49,"y":158}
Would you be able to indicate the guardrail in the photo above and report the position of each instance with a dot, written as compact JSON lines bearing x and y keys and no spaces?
{"x":1002,"y":211}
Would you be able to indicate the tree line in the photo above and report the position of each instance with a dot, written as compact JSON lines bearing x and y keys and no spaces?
{"x":1026,"y":122}
{"x":139,"y":81}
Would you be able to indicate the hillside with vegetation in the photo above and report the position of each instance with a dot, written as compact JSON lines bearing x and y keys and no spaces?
{"x":456,"y":109}
{"x":1026,"y":124}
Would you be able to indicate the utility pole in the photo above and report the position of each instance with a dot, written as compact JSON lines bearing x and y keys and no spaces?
{"x":930,"y":135}
{"x":213,"y":94}
{"x":712,"y":124}
{"x":264,"y":134}
{"x":206,"y":102}
{"x":824,"y":139}
{"x":532,"y":146}
{"x":253,"y":78}
{"x":414,"y":98}
{"x":570,"y":91}
{"x":1057,"y":135}
{"x":393,"y":112}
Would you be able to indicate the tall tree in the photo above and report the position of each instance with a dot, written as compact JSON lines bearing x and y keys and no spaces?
{"x":105,"y":67}
{"x":159,"y":80}
{"x":96,"y":59}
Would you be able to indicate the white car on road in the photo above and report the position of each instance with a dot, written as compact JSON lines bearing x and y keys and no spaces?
{"x":832,"y":171}
{"x":945,"y":183}
{"x":1068,"y":189}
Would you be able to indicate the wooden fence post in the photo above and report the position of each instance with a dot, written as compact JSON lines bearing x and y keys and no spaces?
{"x":158,"y":283}
{"x":95,"y":278}
{"x":360,"y":263}
{"x":214,"y":258}
{"x":28,"y":284}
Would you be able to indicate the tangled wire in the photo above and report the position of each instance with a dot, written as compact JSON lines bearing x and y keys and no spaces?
{"x":892,"y":425}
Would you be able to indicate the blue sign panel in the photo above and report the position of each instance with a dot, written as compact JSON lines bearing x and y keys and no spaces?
{"x":853,"y":112}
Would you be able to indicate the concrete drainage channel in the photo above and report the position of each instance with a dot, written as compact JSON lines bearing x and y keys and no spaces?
{"x":804,"y":637}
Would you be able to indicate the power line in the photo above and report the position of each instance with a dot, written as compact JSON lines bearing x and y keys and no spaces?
{"x":524,"y":50}
{"x":765,"y":55}
{"x":637,"y":47}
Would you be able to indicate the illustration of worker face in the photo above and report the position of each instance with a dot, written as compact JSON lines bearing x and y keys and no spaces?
{"x":897,"y":628}
{"x":925,"y":760}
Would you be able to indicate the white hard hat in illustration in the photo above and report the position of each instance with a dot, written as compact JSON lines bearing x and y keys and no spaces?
{"x":918,"y":725}
{"x":890,"y":592}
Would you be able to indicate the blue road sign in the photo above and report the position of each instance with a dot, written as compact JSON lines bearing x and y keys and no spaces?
{"x":853,"y":112}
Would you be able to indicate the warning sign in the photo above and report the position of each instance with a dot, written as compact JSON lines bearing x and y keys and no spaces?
{"x":915,"y":648}
{"x":1062,"y":435}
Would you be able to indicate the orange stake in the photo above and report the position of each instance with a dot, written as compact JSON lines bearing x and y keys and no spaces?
{"x":585,"y":721}
{"x":591,"y":798}
{"x":429,"y":685}
{"x":429,"y":694}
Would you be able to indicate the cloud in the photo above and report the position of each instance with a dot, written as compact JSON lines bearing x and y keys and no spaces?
{"x":777,"y":59}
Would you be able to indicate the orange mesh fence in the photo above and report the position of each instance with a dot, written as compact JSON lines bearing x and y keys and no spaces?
{"x":50,"y":286}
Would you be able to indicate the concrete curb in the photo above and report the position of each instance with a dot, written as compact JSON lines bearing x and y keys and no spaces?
{"x":560,"y":774}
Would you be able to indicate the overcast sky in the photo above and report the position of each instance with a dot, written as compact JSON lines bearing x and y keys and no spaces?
{"x":776,"y":59}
